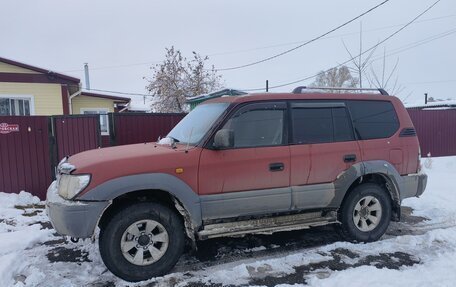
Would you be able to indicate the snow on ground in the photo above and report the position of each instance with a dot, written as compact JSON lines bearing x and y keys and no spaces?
{"x":20,"y":229}
{"x":419,"y":251}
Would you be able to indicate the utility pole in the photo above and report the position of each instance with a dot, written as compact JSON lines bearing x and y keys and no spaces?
{"x":267,"y":86}
{"x":425,"y":98}
{"x":360,"y":65}
{"x":86,"y":73}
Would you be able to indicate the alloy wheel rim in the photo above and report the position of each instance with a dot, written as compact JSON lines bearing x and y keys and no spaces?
{"x":367,"y":213}
{"x":144,"y":242}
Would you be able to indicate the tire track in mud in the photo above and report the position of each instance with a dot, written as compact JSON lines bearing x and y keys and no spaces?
{"x":226,"y":250}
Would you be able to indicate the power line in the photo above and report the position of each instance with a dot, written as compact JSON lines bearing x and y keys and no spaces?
{"x":435,"y":37}
{"x":351,"y":59}
{"x":259,"y":48}
{"x":305,"y":43}
{"x":328,"y":37}
{"x":395,"y":51}
{"x":417,"y":44}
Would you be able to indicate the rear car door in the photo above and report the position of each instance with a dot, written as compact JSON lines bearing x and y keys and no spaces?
{"x":376,"y":123}
{"x":323,"y":145}
{"x":252,"y":177}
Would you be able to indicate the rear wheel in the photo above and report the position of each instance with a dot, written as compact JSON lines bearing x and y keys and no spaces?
{"x":365,"y":214}
{"x":142,"y":241}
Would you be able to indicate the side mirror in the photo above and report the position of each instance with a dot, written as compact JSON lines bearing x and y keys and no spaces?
{"x":224,"y":139}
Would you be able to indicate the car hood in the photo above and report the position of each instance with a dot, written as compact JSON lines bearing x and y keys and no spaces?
{"x":113,"y":162}
{"x":86,"y":161}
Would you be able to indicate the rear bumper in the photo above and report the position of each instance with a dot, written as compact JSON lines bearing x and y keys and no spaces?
{"x":73,"y":218}
{"x":413,"y":185}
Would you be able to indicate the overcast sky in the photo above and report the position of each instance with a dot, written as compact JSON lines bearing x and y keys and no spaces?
{"x":121,"y":39}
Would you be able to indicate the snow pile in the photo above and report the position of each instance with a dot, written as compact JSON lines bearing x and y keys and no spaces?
{"x":438,"y":202}
{"x":18,"y":232}
{"x":22,"y":199}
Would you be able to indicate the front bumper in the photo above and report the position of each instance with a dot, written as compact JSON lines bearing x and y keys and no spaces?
{"x":72,"y":217}
{"x":413,"y":185}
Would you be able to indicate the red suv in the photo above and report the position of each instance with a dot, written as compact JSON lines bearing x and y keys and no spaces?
{"x":258,"y":163}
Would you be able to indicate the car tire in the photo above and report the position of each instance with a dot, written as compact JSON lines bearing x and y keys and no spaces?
{"x":142,"y":241}
{"x":365,"y":214}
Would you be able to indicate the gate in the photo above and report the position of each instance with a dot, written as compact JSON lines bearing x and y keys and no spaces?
{"x":74,"y":134}
{"x":31,"y":146}
{"x":130,"y":128}
{"x":25,"y":154}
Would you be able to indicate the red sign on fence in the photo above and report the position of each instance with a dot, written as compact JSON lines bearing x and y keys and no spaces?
{"x":8,"y":128}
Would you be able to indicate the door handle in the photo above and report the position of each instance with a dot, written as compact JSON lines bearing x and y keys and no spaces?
{"x":350,"y":158}
{"x":276,"y":166}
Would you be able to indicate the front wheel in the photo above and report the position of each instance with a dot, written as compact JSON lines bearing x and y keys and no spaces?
{"x":142,"y":241}
{"x":365,"y":214}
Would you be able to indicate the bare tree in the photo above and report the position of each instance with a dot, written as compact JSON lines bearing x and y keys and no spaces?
{"x":385,"y":79}
{"x":365,"y":69}
{"x":175,"y":79}
{"x":336,"y":77}
{"x":360,"y":64}
{"x":201,"y":80}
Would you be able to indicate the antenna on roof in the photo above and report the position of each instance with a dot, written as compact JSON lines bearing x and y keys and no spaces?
{"x":299,"y":90}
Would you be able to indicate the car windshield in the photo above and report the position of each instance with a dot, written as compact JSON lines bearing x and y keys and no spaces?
{"x":191,"y":129}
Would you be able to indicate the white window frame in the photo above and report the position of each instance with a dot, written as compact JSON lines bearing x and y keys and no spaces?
{"x":101,"y":111}
{"x":30,"y":98}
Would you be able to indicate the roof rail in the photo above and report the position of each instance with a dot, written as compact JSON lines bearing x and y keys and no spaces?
{"x":298,"y":90}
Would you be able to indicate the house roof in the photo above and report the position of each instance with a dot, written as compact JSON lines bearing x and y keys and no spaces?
{"x":437,"y":104}
{"x":41,"y":70}
{"x":141,"y":104}
{"x":104,"y":96}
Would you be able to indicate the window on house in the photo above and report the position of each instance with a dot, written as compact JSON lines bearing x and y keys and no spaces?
{"x":104,"y":123}
{"x":15,"y":106}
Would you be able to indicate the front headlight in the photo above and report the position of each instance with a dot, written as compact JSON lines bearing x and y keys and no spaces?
{"x":71,"y":185}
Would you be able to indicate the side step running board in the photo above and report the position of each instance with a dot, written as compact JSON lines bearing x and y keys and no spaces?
{"x":267,"y":225}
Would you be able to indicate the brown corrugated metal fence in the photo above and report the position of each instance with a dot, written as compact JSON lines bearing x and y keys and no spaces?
{"x":25,"y":154}
{"x":31,"y":146}
{"x":129,"y":128}
{"x":436,"y":130}
{"x":75,"y":134}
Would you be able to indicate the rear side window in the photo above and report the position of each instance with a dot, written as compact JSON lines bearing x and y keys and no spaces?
{"x":320,"y":125}
{"x":373,"y":119}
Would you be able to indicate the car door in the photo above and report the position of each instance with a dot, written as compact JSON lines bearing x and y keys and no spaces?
{"x":323,"y":145}
{"x":376,"y":123}
{"x":252,"y":176}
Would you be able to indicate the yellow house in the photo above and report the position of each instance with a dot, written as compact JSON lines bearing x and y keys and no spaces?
{"x":29,"y":90}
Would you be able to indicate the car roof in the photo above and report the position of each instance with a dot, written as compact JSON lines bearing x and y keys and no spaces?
{"x":302,"y":96}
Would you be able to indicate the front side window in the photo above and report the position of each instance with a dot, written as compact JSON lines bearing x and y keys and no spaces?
{"x":14,"y":106}
{"x":192,"y":128}
{"x":104,"y":124}
{"x":320,"y":125}
{"x":257,"y":125}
